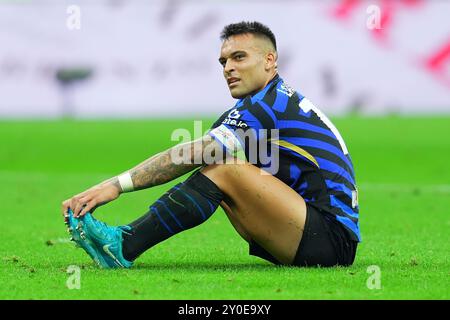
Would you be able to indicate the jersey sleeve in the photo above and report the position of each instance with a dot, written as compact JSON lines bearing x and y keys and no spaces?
{"x":243,"y":127}
{"x":219,"y":121}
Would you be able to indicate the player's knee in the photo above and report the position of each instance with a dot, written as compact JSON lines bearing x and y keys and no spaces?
{"x":220,"y":172}
{"x":222,"y":175}
{"x":214,"y":172}
{"x":213,"y":169}
{"x":228,"y":170}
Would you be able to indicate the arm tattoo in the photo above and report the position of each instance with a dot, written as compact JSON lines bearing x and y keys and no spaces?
{"x":161,"y":168}
{"x":157,"y":170}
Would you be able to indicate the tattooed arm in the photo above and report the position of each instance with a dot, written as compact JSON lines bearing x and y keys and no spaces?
{"x":159,"y":169}
{"x":162,"y":168}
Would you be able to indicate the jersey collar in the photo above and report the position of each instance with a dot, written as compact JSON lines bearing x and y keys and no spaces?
{"x":260,"y":94}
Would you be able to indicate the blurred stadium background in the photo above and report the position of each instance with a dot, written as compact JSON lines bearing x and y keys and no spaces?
{"x":132,"y":58}
{"x":88,"y":89}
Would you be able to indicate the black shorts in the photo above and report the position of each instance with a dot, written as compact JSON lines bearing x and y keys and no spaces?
{"x":325,"y":243}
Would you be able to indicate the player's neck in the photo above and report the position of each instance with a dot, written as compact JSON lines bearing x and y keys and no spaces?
{"x":269,"y":80}
{"x":273,"y":77}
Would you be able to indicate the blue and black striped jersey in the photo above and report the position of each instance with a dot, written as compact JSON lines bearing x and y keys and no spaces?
{"x":312,"y":156}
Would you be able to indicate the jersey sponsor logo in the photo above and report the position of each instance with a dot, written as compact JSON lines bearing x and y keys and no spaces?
{"x":233,"y":122}
{"x":232,"y":119}
{"x":234,"y":114}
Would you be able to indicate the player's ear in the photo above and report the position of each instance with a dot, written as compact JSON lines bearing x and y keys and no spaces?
{"x":271,"y":60}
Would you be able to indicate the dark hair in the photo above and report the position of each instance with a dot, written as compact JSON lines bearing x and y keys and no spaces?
{"x":254,"y":27}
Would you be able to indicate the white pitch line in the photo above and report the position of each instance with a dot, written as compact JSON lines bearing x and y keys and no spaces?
{"x":60,"y":240}
{"x":399,"y":187}
{"x":46,"y":175}
{"x":369,"y":186}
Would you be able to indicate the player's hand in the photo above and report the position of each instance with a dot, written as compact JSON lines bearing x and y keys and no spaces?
{"x":89,"y":200}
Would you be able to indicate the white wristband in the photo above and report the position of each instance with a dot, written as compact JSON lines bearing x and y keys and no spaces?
{"x":126,"y":183}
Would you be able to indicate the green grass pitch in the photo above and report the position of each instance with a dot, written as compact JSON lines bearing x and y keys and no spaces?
{"x":403,"y":172}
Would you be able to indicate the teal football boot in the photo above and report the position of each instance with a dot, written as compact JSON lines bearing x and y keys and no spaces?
{"x":107,"y":241}
{"x":75,"y":228}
